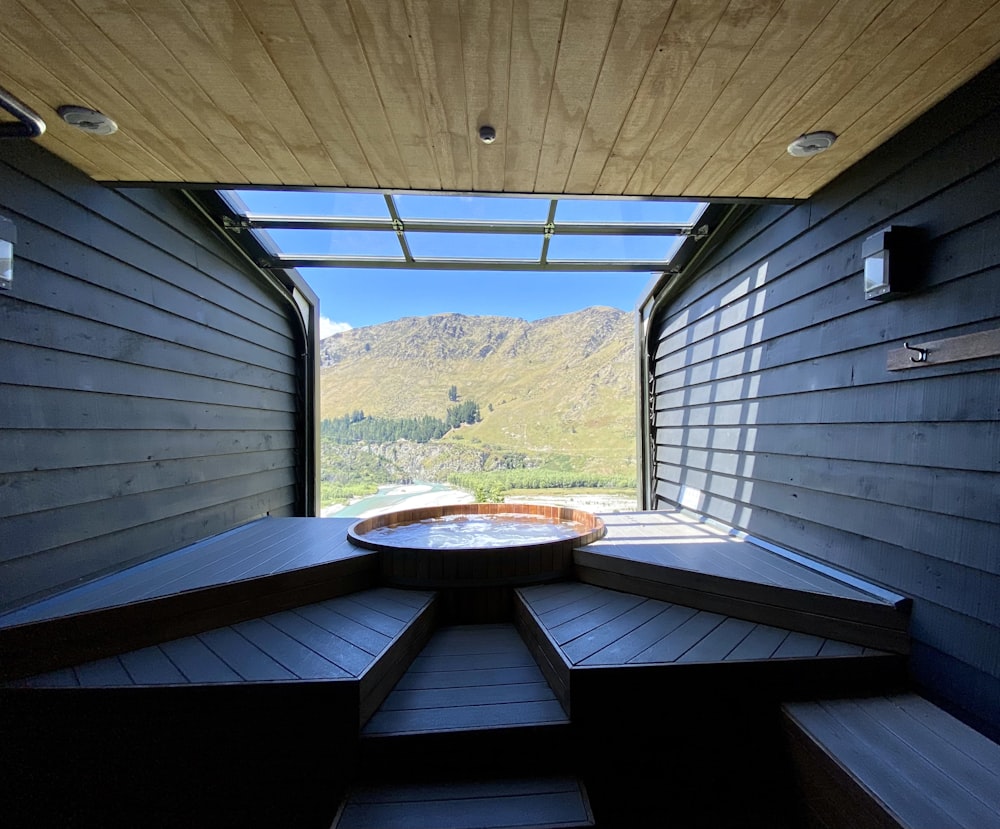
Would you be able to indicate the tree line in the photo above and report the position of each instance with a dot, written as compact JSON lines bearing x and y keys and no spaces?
{"x":356,"y":427}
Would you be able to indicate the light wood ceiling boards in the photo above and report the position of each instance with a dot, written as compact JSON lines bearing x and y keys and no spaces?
{"x":686,"y":98}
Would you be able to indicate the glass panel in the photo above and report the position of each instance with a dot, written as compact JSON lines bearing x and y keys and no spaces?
{"x":349,"y":243}
{"x":310,"y":203}
{"x":478,"y":208}
{"x":504,"y":246}
{"x":607,"y":211}
{"x":613,"y":248}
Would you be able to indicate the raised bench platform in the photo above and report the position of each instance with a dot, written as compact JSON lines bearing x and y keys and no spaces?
{"x":891,"y":762}
{"x":257,"y":721}
{"x":675,"y":557}
{"x":362,"y":642}
{"x":261,"y":567}
{"x":594,"y":644}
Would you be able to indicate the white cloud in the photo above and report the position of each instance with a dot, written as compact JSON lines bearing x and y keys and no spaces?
{"x":327,"y":327}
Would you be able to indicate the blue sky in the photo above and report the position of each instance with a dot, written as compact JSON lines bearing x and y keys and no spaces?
{"x":366,"y":297}
{"x":352,"y":298}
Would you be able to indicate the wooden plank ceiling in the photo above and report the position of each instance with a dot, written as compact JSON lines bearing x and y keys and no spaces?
{"x":638,"y":97}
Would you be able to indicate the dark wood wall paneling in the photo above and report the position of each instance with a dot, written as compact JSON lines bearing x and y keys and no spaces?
{"x":148,"y":386}
{"x":773,"y":398}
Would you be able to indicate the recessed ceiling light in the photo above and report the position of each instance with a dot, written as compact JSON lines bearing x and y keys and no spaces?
{"x":88,"y":120}
{"x":487,"y":134}
{"x":811,"y":143}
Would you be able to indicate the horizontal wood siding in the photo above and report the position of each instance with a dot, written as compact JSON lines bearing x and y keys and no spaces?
{"x":775,"y":412}
{"x":148,"y":386}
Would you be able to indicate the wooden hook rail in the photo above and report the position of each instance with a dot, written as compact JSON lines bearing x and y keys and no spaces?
{"x":951,"y":350}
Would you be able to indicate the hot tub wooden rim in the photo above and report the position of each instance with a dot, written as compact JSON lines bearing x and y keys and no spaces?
{"x":596,"y":528}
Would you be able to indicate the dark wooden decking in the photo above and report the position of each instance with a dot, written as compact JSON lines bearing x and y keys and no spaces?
{"x":586,"y":636}
{"x":891,"y":761}
{"x":366,"y":639}
{"x":263,"y":567}
{"x":469,"y":677}
{"x":336,"y":639}
{"x":543,"y":803}
{"x":672,"y":556}
{"x":263,"y":548}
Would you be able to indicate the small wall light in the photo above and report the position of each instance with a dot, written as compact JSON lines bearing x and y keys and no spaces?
{"x":888,"y":257}
{"x":8,"y":236}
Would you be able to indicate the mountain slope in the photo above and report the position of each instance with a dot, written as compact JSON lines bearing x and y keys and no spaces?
{"x":560,"y":385}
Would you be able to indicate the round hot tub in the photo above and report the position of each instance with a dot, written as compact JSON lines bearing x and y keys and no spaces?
{"x":476,"y":545}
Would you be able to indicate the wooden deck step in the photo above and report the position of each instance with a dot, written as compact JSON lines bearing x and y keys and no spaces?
{"x":595,"y":644}
{"x":365,"y":640}
{"x":474,"y":700}
{"x":493,"y":804}
{"x":266,"y":566}
{"x":891,"y":762}
{"x":676,"y":558}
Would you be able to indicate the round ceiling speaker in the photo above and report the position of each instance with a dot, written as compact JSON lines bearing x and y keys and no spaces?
{"x":811,"y":143}
{"x":88,"y":120}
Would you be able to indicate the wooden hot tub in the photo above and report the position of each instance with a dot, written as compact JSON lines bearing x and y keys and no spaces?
{"x":476,"y":545}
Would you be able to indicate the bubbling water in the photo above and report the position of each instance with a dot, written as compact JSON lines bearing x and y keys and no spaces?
{"x":475,"y":531}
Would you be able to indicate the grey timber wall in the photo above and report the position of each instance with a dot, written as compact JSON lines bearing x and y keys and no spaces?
{"x":775,"y":413}
{"x":148,"y":380}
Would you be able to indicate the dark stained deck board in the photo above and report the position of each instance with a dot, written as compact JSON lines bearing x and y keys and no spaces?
{"x":557,"y":594}
{"x":760,"y":643}
{"x":466,"y":717}
{"x":368,"y":616}
{"x":799,"y":645}
{"x":240,"y":654}
{"x":719,"y":643}
{"x":470,"y":661}
{"x":681,"y":639}
{"x":914,"y":761}
{"x":151,"y":666}
{"x":474,"y":677}
{"x":261,"y":548}
{"x":351,"y":659}
{"x":586,"y":622}
{"x":460,"y":679}
{"x":636,"y":641}
{"x":62,"y":678}
{"x":969,"y":763}
{"x":386,"y":603}
{"x":549,"y":802}
{"x":831,"y":647}
{"x":595,"y":640}
{"x":285,"y":646}
{"x":326,"y":616}
{"x":585,"y":603}
{"x":301,"y":660}
{"x":686,"y":543}
{"x":621,"y":629}
{"x":199,"y":663}
{"x":106,"y":672}
{"x":401,"y":700}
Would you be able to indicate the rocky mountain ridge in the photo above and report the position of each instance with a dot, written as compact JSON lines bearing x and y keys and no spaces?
{"x":563,"y":384}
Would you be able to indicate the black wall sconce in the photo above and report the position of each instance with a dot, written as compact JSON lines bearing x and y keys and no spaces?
{"x":890,"y":259}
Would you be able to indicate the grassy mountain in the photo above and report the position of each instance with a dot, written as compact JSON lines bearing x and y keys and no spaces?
{"x":560,"y":390}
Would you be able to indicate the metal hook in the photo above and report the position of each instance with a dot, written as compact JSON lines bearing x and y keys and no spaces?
{"x":921,"y":353}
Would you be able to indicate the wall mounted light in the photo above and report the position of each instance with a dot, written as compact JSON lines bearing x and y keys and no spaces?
{"x":8,"y":236}
{"x":888,"y":262}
